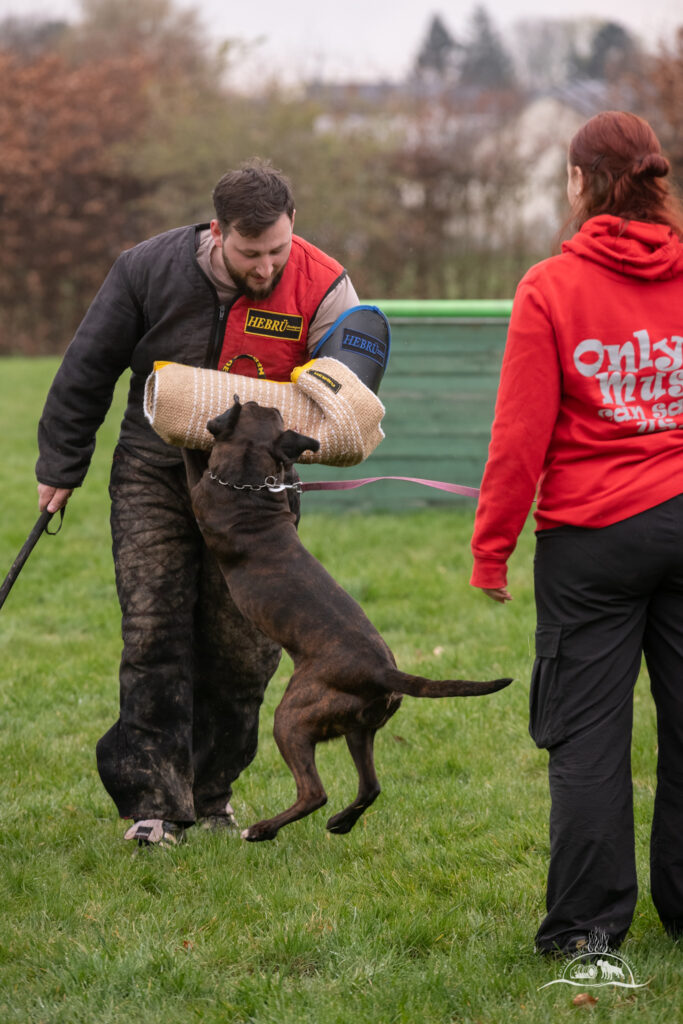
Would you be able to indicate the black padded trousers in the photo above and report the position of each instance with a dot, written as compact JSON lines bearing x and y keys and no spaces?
{"x":193,"y":671}
{"x":604,"y":598}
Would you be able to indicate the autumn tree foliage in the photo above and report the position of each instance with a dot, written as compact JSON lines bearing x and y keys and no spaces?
{"x":96,"y":123}
{"x":117,"y":127}
{"x":65,"y":189}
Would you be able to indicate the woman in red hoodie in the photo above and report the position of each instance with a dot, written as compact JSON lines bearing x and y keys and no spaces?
{"x":589,"y":420}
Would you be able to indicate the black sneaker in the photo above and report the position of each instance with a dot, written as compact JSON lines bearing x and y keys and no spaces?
{"x":594,"y":944}
{"x":575,"y":946}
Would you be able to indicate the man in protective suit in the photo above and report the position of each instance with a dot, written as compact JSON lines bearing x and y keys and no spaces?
{"x":243,"y":294}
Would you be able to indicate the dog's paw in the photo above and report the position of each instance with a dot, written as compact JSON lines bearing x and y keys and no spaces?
{"x":340,"y":828}
{"x":257,"y":833}
{"x":342,"y":823}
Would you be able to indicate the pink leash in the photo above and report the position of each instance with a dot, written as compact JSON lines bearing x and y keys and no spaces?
{"x":347,"y":485}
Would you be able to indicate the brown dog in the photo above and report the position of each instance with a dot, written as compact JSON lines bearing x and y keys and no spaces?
{"x":345,"y":680}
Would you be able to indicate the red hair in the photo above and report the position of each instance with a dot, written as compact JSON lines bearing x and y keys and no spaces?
{"x":623,"y":171}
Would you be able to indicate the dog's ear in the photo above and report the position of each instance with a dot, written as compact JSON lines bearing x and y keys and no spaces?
{"x":222,"y":426}
{"x":290,"y":445}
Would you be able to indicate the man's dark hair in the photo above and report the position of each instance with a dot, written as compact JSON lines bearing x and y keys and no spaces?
{"x":252,"y":198}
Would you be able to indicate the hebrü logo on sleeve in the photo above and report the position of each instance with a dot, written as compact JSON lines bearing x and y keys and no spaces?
{"x":373,"y":348}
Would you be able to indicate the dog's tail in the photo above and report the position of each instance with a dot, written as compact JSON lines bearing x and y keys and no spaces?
{"x":418,"y":686}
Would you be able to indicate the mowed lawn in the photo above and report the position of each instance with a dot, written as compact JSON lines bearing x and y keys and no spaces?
{"x":425,"y":912}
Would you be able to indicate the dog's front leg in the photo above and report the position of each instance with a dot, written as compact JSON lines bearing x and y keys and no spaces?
{"x":294,"y":737}
{"x":360,"y":744}
{"x":195,"y":464}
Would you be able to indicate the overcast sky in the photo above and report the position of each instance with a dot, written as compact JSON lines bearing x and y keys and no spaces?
{"x":371,"y":38}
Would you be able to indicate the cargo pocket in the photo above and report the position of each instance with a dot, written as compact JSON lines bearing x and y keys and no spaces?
{"x":546,"y":724}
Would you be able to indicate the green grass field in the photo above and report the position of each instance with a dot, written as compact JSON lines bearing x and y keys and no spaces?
{"x":425,"y":913}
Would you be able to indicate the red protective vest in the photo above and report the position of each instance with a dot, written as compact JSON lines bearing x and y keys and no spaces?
{"x":271,"y":333}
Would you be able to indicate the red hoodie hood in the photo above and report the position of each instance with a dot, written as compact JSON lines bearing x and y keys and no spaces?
{"x":649,"y":251}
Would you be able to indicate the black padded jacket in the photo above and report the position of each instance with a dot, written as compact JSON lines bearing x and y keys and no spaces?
{"x":156,"y":303}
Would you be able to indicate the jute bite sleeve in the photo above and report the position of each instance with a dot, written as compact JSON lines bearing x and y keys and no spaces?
{"x":325,"y":400}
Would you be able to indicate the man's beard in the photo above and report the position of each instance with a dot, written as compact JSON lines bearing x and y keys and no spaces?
{"x":240,"y":281}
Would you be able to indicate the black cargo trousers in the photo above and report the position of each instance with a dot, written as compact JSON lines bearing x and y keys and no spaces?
{"x":193,"y":672}
{"x":604,"y":598}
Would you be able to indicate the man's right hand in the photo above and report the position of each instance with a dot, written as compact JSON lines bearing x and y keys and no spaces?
{"x":52,"y":498}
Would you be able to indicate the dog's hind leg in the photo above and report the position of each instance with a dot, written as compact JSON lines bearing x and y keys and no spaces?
{"x":360,"y":743}
{"x":297,"y":747}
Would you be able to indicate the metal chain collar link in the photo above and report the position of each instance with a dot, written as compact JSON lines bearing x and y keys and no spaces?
{"x":270,"y":483}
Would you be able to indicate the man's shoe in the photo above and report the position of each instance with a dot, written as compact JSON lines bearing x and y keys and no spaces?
{"x":155,"y":832}
{"x":219,"y":822}
{"x":594,"y":944}
{"x":575,"y":946}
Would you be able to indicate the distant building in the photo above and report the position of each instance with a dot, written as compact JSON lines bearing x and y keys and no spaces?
{"x":541,"y":133}
{"x":534,"y":134}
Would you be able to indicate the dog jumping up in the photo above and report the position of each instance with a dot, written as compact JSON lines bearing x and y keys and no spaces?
{"x":345,"y":680}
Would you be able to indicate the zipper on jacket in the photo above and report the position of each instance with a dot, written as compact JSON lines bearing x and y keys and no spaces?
{"x":217,"y":343}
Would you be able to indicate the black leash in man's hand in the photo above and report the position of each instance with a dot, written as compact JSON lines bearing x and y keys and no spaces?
{"x":29,"y":544}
